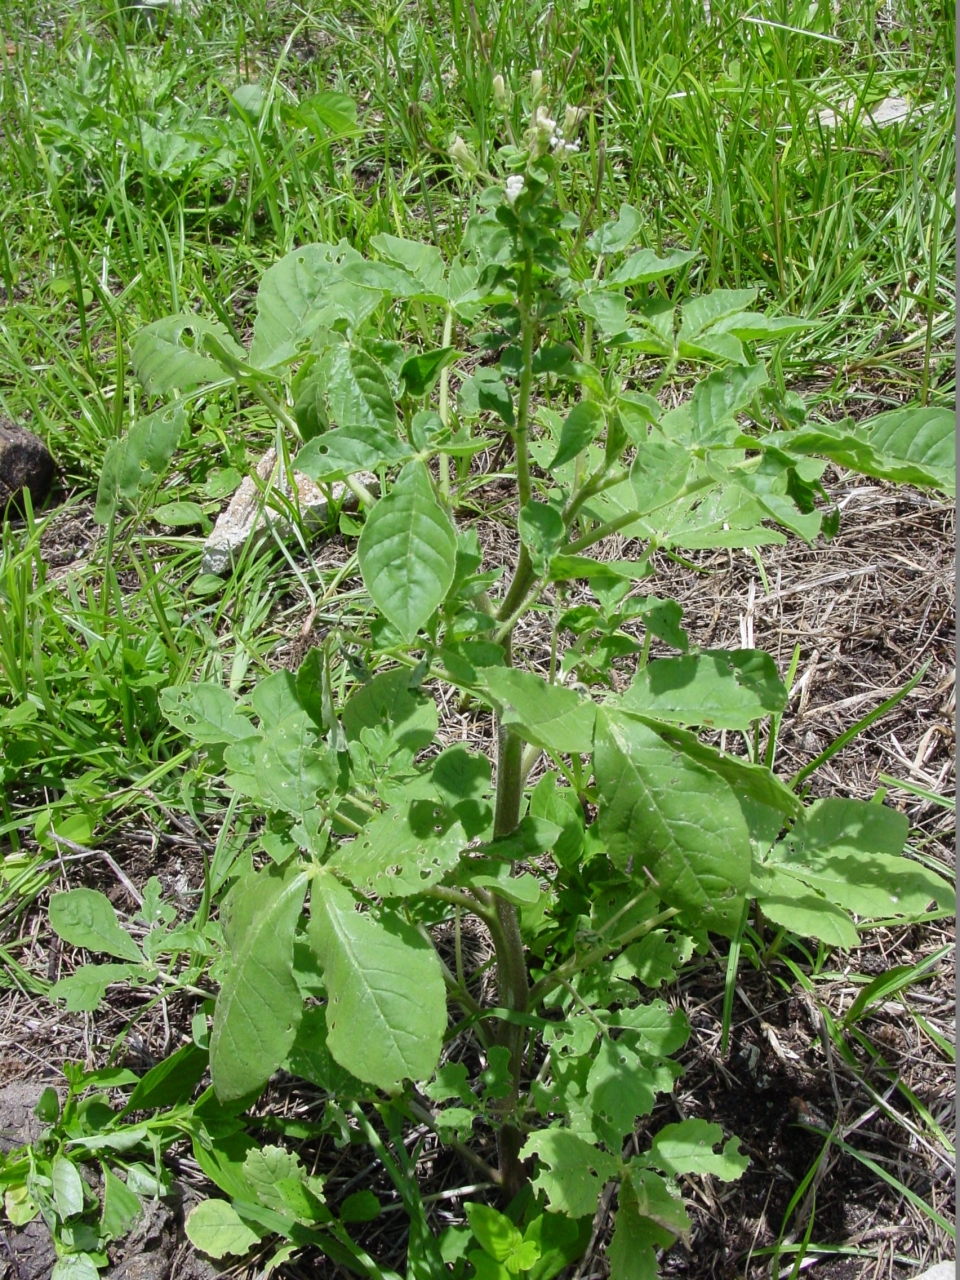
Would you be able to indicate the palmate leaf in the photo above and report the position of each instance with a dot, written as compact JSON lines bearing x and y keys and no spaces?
{"x":259,"y":1005}
{"x":407,"y":552}
{"x":387,"y":1009}
{"x":663,"y":814}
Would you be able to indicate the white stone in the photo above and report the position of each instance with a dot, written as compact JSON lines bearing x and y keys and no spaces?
{"x":891,"y":110}
{"x":942,"y":1271}
{"x":250,"y":513}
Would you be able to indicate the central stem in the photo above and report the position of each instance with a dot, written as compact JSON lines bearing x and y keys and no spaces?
{"x":512,"y":985}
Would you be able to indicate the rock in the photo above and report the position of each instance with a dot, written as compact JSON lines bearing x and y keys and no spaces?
{"x":25,"y":463}
{"x":942,"y":1271}
{"x":247,"y":514}
{"x":19,"y":1123}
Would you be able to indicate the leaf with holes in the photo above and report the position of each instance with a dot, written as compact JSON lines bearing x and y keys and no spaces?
{"x":401,"y":852}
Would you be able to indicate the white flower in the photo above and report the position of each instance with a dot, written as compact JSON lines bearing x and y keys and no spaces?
{"x":514,"y":187}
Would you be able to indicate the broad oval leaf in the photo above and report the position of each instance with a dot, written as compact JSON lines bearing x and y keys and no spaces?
{"x":259,"y":1005}
{"x":206,"y":713}
{"x":719,"y":689}
{"x":580,"y":427}
{"x":139,"y":458}
{"x":165,"y":361}
{"x":644,"y":265}
{"x":358,"y":392}
{"x":658,"y":473}
{"x":86,"y":918}
{"x":662,"y":813}
{"x":215,"y":1228}
{"x":407,"y":552}
{"x":387,"y":1008}
{"x":921,"y":437}
{"x":547,"y":715}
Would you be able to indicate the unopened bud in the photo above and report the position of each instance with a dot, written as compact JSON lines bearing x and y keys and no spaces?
{"x":573,"y":118}
{"x":536,"y":85}
{"x":514,"y":187}
{"x":500,"y":95}
{"x":461,"y":154}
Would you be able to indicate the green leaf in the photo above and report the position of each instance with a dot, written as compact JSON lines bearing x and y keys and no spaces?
{"x":703,"y":311}
{"x":293,"y":765}
{"x":609,"y":310}
{"x":486,"y":389}
{"x":264,"y":1167}
{"x":334,"y":113}
{"x":922,"y":437}
{"x":421,"y":260}
{"x":206,"y":713}
{"x":362,"y":1206}
{"x":656,"y":1201}
{"x":181,"y":515}
{"x":664,"y":814}
{"x":532,"y":835}
{"x":387,"y":1008}
{"x":547,"y":715}
{"x":658,"y":473}
{"x":619,"y":234}
{"x":121,"y":1207}
{"x":75,"y":1266}
{"x":631,"y":1252}
{"x":494,"y":1232}
{"x":259,"y":1004}
{"x":621,"y":1088}
{"x":300,"y":294}
{"x":387,"y":702}
{"x":580,"y":427}
{"x":171,"y":1081}
{"x":848,"y":851}
{"x":86,"y":918}
{"x":571,"y":1172}
{"x":215,"y":1228}
{"x":138,"y":458}
{"x":358,"y":392}
{"x":418,"y":372}
{"x":86,"y":986}
{"x":687,"y":1147}
{"x":401,"y":852}
{"x":787,"y":901}
{"x":334,"y":455}
{"x":717,"y":399}
{"x":67,"y":1187}
{"x":407,"y":552}
{"x":859,"y":449}
{"x":311,"y":1059}
{"x":719,"y":689}
{"x":165,"y":360}
{"x":541,"y":530}
{"x":755,"y":326}
{"x":644,"y":265}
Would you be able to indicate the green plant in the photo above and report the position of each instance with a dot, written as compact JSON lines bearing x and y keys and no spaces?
{"x":640,"y":836}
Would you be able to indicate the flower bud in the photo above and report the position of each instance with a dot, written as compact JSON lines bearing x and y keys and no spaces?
{"x":573,"y":118}
{"x":501,"y":95}
{"x":536,"y":85}
{"x":461,"y":154}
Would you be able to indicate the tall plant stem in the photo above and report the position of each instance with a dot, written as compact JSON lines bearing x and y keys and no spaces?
{"x":523,"y":573}
{"x":513,"y":988}
{"x":444,"y":407}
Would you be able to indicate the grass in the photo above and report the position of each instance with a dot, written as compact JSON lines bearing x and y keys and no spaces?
{"x":157,"y":160}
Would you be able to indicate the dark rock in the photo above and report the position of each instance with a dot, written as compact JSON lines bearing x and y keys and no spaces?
{"x":25,"y":463}
{"x":19,"y":1123}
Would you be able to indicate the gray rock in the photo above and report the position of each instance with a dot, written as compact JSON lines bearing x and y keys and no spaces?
{"x":942,"y":1271}
{"x":248,"y":515}
{"x":25,"y":463}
